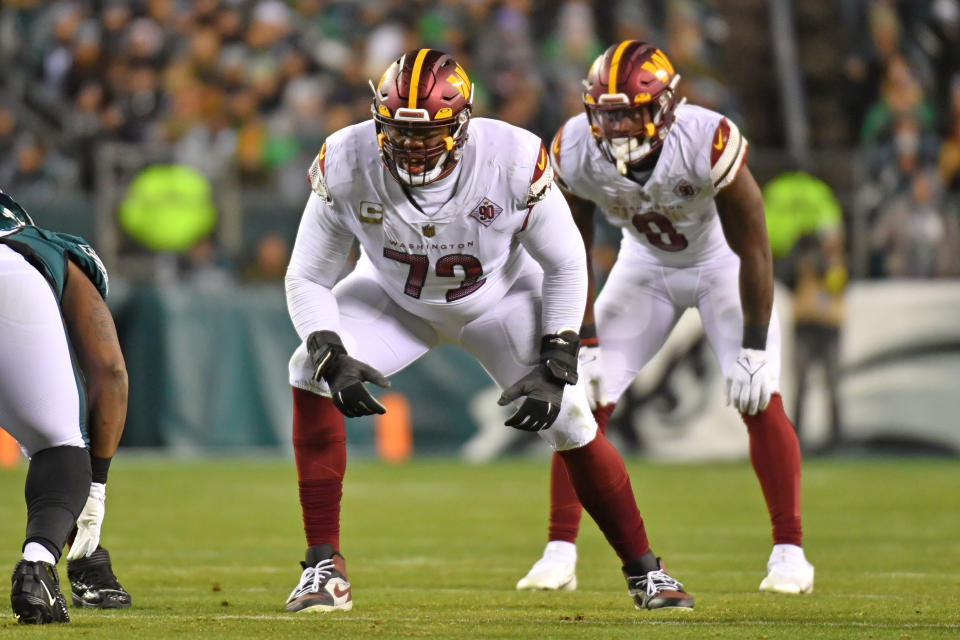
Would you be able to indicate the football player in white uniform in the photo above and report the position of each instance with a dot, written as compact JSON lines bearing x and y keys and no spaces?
{"x":673,"y":177}
{"x":462,"y":241}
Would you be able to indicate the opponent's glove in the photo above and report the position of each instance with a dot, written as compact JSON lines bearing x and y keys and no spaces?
{"x":345,"y":375}
{"x":543,"y":387}
{"x":751,"y":381}
{"x":89,"y":523}
{"x":591,"y":368}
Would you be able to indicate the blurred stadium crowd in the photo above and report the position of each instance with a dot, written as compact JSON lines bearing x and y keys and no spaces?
{"x":903,"y":86}
{"x":252,"y":87}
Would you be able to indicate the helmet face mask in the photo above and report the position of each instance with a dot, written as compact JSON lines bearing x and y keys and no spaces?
{"x":421,"y":108}
{"x":630,"y":101}
{"x":418,"y":152}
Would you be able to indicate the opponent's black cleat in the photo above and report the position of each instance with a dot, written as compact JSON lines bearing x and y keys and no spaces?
{"x":35,"y":594}
{"x":93,"y":585}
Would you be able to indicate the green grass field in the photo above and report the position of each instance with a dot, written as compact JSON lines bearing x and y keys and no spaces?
{"x":434,"y":548}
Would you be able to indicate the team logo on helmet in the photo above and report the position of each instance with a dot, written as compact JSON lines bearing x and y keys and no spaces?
{"x":630,"y":101}
{"x":421,"y":107}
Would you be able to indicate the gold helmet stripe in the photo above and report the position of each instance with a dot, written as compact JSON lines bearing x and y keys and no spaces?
{"x":615,"y":64}
{"x":415,"y":77}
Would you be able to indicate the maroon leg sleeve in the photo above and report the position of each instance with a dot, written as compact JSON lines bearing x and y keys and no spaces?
{"x":600,"y":479}
{"x":565,"y":508}
{"x":775,"y":455}
{"x":320,"y":449}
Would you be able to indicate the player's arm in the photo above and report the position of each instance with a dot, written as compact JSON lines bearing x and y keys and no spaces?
{"x":751,"y":380}
{"x":318,"y":256}
{"x":93,"y":337}
{"x":583,"y":212}
{"x":740,"y":206}
{"x":550,"y":236}
{"x":591,"y":363}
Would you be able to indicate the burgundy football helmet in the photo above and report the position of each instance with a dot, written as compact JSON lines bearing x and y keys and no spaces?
{"x":421,"y":107}
{"x":630,"y":100}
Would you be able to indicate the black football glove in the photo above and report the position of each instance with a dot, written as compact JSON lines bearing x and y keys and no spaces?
{"x":543,"y":387}
{"x":345,"y":375}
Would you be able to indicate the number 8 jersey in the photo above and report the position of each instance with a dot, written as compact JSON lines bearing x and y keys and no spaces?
{"x":671,"y":219}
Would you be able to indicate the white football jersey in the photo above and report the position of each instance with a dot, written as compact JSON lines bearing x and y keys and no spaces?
{"x":464,"y":256}
{"x":672,"y":218}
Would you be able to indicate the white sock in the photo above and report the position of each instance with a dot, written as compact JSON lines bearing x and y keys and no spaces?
{"x":36,"y":552}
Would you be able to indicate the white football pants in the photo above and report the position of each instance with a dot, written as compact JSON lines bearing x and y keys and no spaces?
{"x":505,"y":339}
{"x":641,"y":302}
{"x":39,"y":393}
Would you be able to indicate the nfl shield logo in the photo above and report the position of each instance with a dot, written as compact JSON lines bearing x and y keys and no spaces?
{"x":486,"y":212}
{"x":429,"y":230}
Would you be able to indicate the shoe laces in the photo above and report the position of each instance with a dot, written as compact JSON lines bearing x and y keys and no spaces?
{"x":656,"y":581}
{"x":312,"y":578}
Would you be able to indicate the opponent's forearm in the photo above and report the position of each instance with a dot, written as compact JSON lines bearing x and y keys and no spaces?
{"x":107,"y":398}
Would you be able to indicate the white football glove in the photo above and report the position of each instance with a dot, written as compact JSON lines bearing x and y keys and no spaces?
{"x":751,"y":382}
{"x":591,"y":370}
{"x":89,"y":523}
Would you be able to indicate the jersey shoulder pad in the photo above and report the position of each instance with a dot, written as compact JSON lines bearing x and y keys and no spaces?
{"x":569,"y":152}
{"x":84,"y":256}
{"x":555,"y":157}
{"x":336,"y":165}
{"x":728,"y":152}
{"x":315,"y":174}
{"x":521,"y":154}
{"x":542,"y":178}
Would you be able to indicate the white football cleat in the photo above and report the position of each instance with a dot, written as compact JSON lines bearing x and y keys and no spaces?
{"x":555,"y":571}
{"x":788,"y":571}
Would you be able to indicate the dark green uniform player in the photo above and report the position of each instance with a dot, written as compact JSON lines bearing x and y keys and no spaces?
{"x":93,"y":583}
{"x":49,"y":251}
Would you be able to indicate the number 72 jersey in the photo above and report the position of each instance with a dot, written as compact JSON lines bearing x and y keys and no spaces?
{"x":454,"y":259}
{"x":671,"y":219}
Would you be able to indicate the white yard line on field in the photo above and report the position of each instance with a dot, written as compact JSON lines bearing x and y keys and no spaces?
{"x":346,"y":618}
